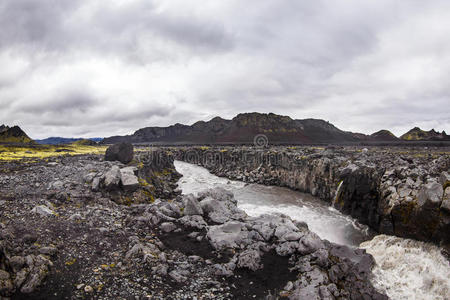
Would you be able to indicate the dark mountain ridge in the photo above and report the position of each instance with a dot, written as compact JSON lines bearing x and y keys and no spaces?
{"x":13,"y":135}
{"x":244,"y":127}
{"x":417,"y":134}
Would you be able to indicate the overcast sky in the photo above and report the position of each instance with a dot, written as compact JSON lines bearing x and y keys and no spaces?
{"x":100,"y":68}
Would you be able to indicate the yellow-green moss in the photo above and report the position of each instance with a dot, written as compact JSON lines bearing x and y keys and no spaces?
{"x":446,"y":184}
{"x":33,"y":153}
{"x":149,"y":195}
{"x":17,"y":140}
{"x":143,"y":182}
{"x":127,"y":201}
{"x":163,"y":172}
{"x":99,"y":287}
{"x":84,"y":142}
{"x":71,"y":262}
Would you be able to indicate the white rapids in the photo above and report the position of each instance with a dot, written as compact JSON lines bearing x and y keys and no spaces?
{"x":405,"y":269}
{"x":409,"y":269}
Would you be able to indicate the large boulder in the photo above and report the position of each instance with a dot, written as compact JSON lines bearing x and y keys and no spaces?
{"x":129,"y":179}
{"x":220,"y":206}
{"x":216,"y":211}
{"x":229,"y":235}
{"x":218,"y":193}
{"x":112,"y":178}
{"x":431,"y":195}
{"x":122,"y":152}
{"x":192,"y":207}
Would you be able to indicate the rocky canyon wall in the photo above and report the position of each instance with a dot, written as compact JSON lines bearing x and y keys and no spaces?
{"x":393,"y":191}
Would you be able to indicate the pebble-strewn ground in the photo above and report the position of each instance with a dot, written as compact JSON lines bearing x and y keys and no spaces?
{"x":80,"y":227}
{"x":62,"y":229}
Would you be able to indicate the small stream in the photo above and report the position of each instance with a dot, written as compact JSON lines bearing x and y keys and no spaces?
{"x":406,"y":269}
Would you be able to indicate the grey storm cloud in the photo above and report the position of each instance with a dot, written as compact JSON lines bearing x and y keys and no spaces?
{"x":71,"y":101}
{"x":101,"y":68}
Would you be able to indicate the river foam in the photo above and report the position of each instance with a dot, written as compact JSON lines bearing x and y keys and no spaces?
{"x":405,"y":269}
{"x":409,"y":269}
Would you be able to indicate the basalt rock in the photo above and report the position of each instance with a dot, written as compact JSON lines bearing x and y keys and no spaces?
{"x":91,"y":246}
{"x":270,"y":252}
{"x":128,"y":178}
{"x":122,"y":152}
{"x":395,"y":191}
{"x":21,"y":273}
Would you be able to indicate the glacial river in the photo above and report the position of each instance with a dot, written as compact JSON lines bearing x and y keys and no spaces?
{"x":405,"y":269}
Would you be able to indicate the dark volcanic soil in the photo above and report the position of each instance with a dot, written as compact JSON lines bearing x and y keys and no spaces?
{"x":82,"y":228}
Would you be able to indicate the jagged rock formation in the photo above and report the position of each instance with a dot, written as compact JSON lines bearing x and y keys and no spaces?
{"x":293,"y":261}
{"x":66,"y":234}
{"x":417,"y":134}
{"x":13,"y":135}
{"x":241,"y":130}
{"x":402,"y":194}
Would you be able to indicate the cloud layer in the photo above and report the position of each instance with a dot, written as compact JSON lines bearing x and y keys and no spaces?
{"x":100,"y":68}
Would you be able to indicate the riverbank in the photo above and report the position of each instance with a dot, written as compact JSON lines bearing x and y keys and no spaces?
{"x":397,"y":191}
{"x":81,"y":227}
{"x":65,"y":229}
{"x":405,"y":269}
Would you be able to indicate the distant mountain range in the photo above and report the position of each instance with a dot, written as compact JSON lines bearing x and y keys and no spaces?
{"x":61,"y":140}
{"x":15,"y":135}
{"x":278,"y":130}
{"x":242,"y":129}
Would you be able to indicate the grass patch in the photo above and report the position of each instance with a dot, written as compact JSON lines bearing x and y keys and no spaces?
{"x":35,"y":152}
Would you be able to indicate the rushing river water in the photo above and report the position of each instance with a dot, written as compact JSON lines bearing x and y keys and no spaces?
{"x":405,"y":269}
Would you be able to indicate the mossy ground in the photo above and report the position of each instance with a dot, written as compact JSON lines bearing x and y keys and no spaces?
{"x":35,"y":152}
{"x":16,"y":139}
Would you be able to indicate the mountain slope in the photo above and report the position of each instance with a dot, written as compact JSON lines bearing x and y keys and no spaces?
{"x":241,"y":129}
{"x":417,"y":134}
{"x":62,"y":140}
{"x":13,"y":135}
{"x":383,"y":135}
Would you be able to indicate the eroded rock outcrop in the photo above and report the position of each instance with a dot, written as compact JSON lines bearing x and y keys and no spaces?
{"x":58,"y":216}
{"x":245,"y":248}
{"x":22,"y":272}
{"x":393,"y":191}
